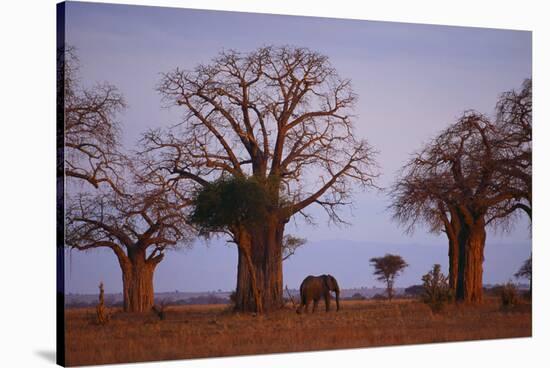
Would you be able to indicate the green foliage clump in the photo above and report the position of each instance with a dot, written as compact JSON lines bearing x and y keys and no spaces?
{"x":231,"y":202}
{"x":437,"y":292}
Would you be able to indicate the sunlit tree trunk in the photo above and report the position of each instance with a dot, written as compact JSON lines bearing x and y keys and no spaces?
{"x":452,"y":225}
{"x":453,"y":261}
{"x":260,"y":270}
{"x":283,"y":111}
{"x":470,"y":266}
{"x":137,"y":281}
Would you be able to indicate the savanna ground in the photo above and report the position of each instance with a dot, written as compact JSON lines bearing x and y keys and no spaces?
{"x":212,"y":330}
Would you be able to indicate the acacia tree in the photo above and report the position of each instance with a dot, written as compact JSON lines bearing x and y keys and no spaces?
{"x":456,"y":183}
{"x":387,"y":268}
{"x":280,"y":115}
{"x":138,"y":227}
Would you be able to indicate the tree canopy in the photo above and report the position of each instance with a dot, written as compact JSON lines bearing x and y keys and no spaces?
{"x":387,"y":268}
{"x":279,"y":112}
{"x":126,"y":209}
{"x":476,"y":172}
{"x":277,"y":121}
{"x":91,"y":131}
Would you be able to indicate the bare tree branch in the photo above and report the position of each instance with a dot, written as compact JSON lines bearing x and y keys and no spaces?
{"x":91,"y":131}
{"x":275,"y":113}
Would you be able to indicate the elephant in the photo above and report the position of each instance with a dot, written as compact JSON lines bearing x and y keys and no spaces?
{"x":317,"y":287}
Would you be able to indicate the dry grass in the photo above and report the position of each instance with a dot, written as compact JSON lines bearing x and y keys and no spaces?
{"x":208,"y":331}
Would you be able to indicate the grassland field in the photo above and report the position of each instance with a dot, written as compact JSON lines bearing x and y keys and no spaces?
{"x":198,"y":331}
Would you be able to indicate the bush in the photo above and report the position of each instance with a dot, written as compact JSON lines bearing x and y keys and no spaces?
{"x":509,"y":295}
{"x":415,"y":290}
{"x":357,"y":296}
{"x":437,"y":293}
{"x":101,"y":312}
{"x":379,"y":297}
{"x":493,"y":290}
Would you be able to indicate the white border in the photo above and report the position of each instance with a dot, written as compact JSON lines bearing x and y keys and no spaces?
{"x":27,"y":205}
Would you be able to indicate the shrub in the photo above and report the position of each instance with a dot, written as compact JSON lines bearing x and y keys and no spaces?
{"x":437,"y":293}
{"x":160,"y":310}
{"x":379,"y":296}
{"x":509,"y":295}
{"x":493,"y":290}
{"x":415,"y":290}
{"x":357,"y":296}
{"x":101,"y":312}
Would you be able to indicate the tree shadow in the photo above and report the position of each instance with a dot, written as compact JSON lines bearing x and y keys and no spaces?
{"x":48,"y":355}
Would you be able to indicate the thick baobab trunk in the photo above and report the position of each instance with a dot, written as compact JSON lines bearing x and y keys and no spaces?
{"x":260,"y":268}
{"x":452,"y":229}
{"x":453,"y":262}
{"x":137,"y":281}
{"x":470,"y":268}
{"x":248,"y":289}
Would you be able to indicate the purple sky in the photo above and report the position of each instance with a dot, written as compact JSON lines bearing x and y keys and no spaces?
{"x":412,"y":81}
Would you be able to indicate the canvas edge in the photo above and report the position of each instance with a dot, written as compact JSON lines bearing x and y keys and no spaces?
{"x":60,"y":188}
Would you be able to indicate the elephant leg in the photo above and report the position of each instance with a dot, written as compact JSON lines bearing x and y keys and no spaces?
{"x":327,"y":302}
{"x":307,"y":306}
{"x":315,"y":303}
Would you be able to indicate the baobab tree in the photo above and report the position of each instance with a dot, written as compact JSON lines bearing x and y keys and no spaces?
{"x":279,"y":115}
{"x":419,"y":198}
{"x":138,"y":227}
{"x":514,"y":119}
{"x":137,"y":216}
{"x":88,"y":149}
{"x":89,"y":128}
{"x":456,"y":183}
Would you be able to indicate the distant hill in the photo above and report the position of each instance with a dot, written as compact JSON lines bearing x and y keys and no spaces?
{"x":213,"y":297}
{"x":176,"y":297}
{"x":219,"y":297}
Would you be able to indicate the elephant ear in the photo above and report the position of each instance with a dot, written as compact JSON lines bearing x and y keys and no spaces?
{"x":330,"y":282}
{"x":326,"y":281}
